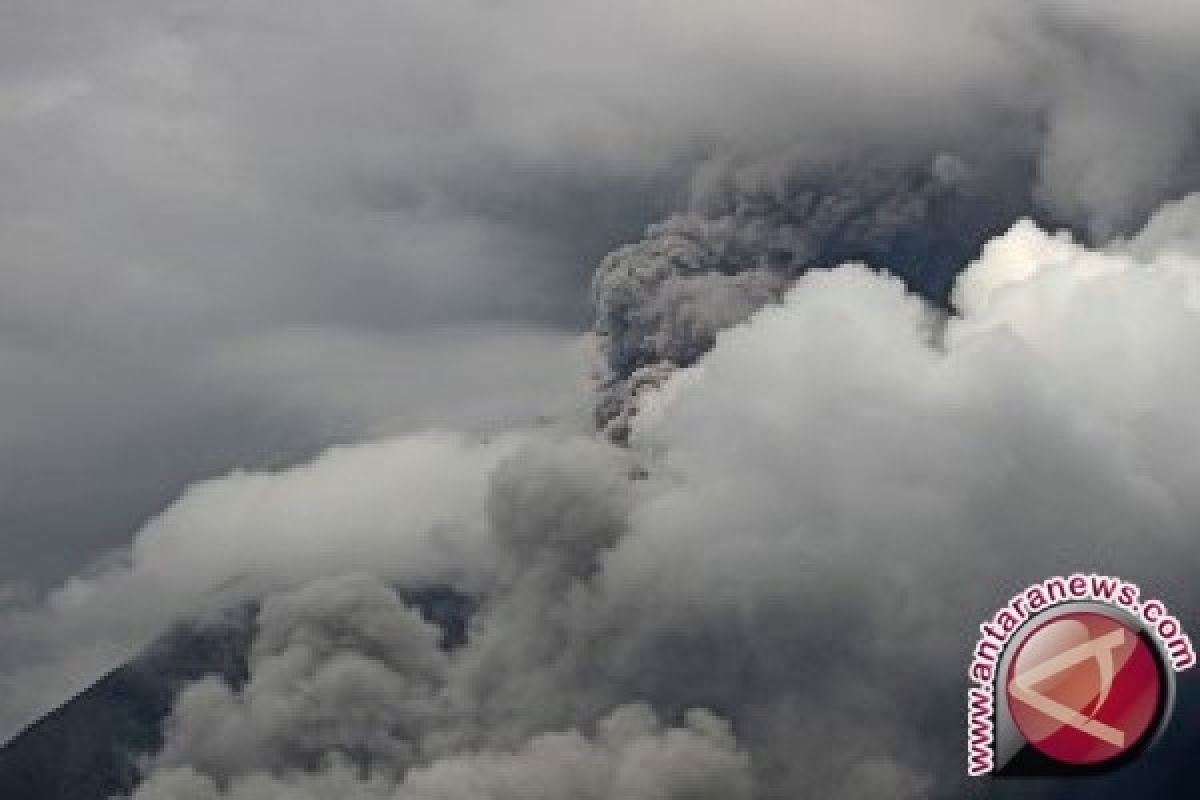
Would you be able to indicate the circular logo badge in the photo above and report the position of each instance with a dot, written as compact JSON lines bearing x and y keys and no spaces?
{"x":1084,"y":688}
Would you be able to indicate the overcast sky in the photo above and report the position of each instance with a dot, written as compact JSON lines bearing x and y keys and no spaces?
{"x":229,"y":235}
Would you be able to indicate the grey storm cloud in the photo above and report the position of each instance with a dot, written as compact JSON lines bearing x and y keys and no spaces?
{"x":235,"y":235}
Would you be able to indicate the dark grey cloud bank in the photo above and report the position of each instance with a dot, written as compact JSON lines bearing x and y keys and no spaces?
{"x":233,"y":235}
{"x":237,"y":232}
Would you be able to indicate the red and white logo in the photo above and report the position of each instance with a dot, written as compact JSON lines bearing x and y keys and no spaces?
{"x":1084,"y":688}
{"x":1074,"y":676}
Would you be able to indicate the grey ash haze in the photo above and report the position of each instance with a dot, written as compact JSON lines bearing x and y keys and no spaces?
{"x":289,"y":292}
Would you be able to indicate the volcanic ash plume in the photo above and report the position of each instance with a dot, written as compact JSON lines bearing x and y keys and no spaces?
{"x":771,"y":592}
{"x":752,"y":228}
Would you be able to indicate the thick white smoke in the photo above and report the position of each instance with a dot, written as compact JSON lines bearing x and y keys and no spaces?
{"x":771,"y":593}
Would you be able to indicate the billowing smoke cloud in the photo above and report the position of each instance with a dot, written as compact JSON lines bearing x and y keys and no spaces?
{"x":826,"y":476}
{"x":347,"y":681}
{"x":770,"y":593}
{"x":751,"y":229}
{"x":410,"y":509}
{"x":630,"y":757}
